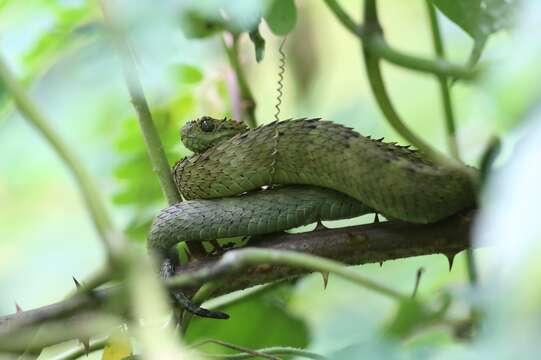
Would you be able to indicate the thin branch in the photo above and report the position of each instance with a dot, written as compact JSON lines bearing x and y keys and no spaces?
{"x":226,"y":300}
{"x":378,"y":46}
{"x":84,"y":325}
{"x":247,"y":99}
{"x":80,"y":350}
{"x":443,"y":81}
{"x":154,"y":146}
{"x":155,"y":151}
{"x":371,"y":243}
{"x":354,"y":245}
{"x":237,"y":260}
{"x":278,"y":351}
{"x":89,"y":191}
{"x":250,"y":352}
{"x":449,"y":115}
{"x":201,"y":295}
{"x":377,"y":84}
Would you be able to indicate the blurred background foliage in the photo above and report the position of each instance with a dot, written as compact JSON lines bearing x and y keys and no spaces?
{"x":60,"y":50}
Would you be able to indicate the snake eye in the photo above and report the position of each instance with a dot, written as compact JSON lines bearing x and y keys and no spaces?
{"x":207,"y":125}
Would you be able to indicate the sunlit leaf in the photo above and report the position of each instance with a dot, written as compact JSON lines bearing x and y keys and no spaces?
{"x":70,"y":29}
{"x":118,"y":346}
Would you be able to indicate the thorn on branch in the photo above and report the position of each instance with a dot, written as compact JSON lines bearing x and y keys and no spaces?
{"x":450,"y":258}
{"x":418,"y":276}
{"x":325,"y":276}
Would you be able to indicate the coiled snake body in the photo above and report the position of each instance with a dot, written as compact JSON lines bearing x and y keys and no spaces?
{"x":326,"y":171}
{"x":357,"y":173}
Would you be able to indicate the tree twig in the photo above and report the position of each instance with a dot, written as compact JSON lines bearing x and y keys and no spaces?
{"x":154,"y":146}
{"x":278,"y":351}
{"x":378,"y":46}
{"x":355,"y":245}
{"x":248,"y":104}
{"x":443,"y":81}
{"x":449,"y":115}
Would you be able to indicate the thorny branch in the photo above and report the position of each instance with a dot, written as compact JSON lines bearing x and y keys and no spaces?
{"x":354,"y":245}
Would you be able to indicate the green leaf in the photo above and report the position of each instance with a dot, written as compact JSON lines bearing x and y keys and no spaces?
{"x":282,"y":17}
{"x":412,"y":315}
{"x":479,"y":18}
{"x":255,"y":323}
{"x":259,"y":44}
{"x":189,"y":74}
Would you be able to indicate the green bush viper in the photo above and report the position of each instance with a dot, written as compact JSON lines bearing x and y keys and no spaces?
{"x":324,"y":171}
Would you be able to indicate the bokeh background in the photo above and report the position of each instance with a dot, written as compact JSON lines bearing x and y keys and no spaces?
{"x":62,"y":53}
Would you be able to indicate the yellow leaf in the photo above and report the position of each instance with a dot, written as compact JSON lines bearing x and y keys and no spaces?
{"x":118,"y":346}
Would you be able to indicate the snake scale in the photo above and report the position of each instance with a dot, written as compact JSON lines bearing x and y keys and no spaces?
{"x":324,"y":171}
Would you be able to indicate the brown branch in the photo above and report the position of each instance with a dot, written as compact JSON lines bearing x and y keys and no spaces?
{"x":354,"y":245}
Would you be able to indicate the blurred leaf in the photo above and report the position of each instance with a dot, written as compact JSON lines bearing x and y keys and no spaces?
{"x":197,"y":25}
{"x":70,"y":28}
{"x":513,"y":84}
{"x":479,"y":18}
{"x":282,"y":17}
{"x":259,"y":44}
{"x":118,"y":346}
{"x":412,"y":315}
{"x":254,"y":323}
{"x":206,"y":18}
{"x":189,"y":74}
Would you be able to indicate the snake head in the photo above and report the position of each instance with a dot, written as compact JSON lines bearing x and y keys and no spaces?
{"x":203,"y":133}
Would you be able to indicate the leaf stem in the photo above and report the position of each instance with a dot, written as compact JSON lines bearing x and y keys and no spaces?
{"x":443,"y":81}
{"x":375,"y":78}
{"x":89,"y":191}
{"x":278,"y":351}
{"x":248,"y":103}
{"x":449,"y":115}
{"x":154,"y":146}
{"x":379,"y":47}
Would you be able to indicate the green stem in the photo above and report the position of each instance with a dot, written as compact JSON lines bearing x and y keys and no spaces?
{"x":477,"y":51}
{"x":238,"y":259}
{"x":240,"y":296}
{"x":264,"y":353}
{"x":379,"y":47}
{"x":443,"y":81}
{"x":80,"y":351}
{"x":154,"y":146}
{"x":88,"y":189}
{"x":278,"y":351}
{"x":375,"y":78}
{"x":201,"y":295}
{"x":449,"y":115}
{"x":155,"y":151}
{"x":247,"y":99}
